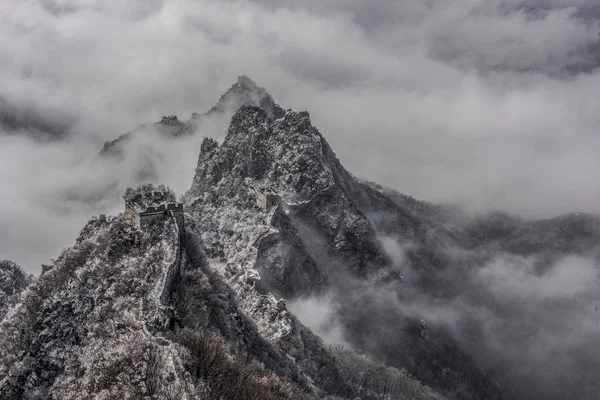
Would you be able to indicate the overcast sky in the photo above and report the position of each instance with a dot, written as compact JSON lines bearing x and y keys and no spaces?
{"x":490,"y":104}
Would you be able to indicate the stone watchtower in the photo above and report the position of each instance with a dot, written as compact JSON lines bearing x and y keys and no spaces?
{"x":266,"y":200}
{"x":148,"y":203}
{"x":140,"y":217}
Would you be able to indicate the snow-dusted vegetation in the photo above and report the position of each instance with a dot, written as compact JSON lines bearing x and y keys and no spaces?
{"x":85,"y":319}
{"x":94,"y":326}
{"x":12,"y":282}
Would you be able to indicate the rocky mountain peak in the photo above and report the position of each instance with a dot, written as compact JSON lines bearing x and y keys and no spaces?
{"x":286,"y":154}
{"x":289,"y":159}
{"x":245,"y":92}
{"x":245,"y":82}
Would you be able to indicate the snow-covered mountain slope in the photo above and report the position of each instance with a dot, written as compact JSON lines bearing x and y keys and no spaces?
{"x":289,"y":157}
{"x":95,"y":325}
{"x":92,"y":312}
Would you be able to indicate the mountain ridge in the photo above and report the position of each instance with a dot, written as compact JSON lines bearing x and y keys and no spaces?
{"x":243,"y":92}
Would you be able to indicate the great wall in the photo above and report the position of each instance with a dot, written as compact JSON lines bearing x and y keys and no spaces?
{"x":141,"y":218}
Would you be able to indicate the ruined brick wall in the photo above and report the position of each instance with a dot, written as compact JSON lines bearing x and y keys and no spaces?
{"x":172,"y":273}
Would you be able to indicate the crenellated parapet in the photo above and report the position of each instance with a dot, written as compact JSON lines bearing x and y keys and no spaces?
{"x":141,"y":217}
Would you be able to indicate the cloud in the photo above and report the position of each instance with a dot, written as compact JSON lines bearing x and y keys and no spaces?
{"x":319,"y":313}
{"x":516,"y":278}
{"x":530,"y":322}
{"x":535,"y":327}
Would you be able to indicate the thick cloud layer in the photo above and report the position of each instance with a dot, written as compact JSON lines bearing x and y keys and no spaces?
{"x":530,"y":323}
{"x":490,"y":104}
{"x":320,"y":315}
{"x":538,"y":329}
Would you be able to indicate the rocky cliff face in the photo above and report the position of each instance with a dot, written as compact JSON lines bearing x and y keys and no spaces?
{"x":394,"y":270}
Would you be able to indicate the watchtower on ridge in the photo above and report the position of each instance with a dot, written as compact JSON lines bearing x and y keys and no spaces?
{"x":140,"y":217}
{"x":265,"y":200}
{"x":145,"y":204}
{"x":169,"y":120}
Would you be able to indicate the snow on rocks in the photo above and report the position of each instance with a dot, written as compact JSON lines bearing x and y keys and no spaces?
{"x":231,"y":234}
{"x":286,"y":156}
